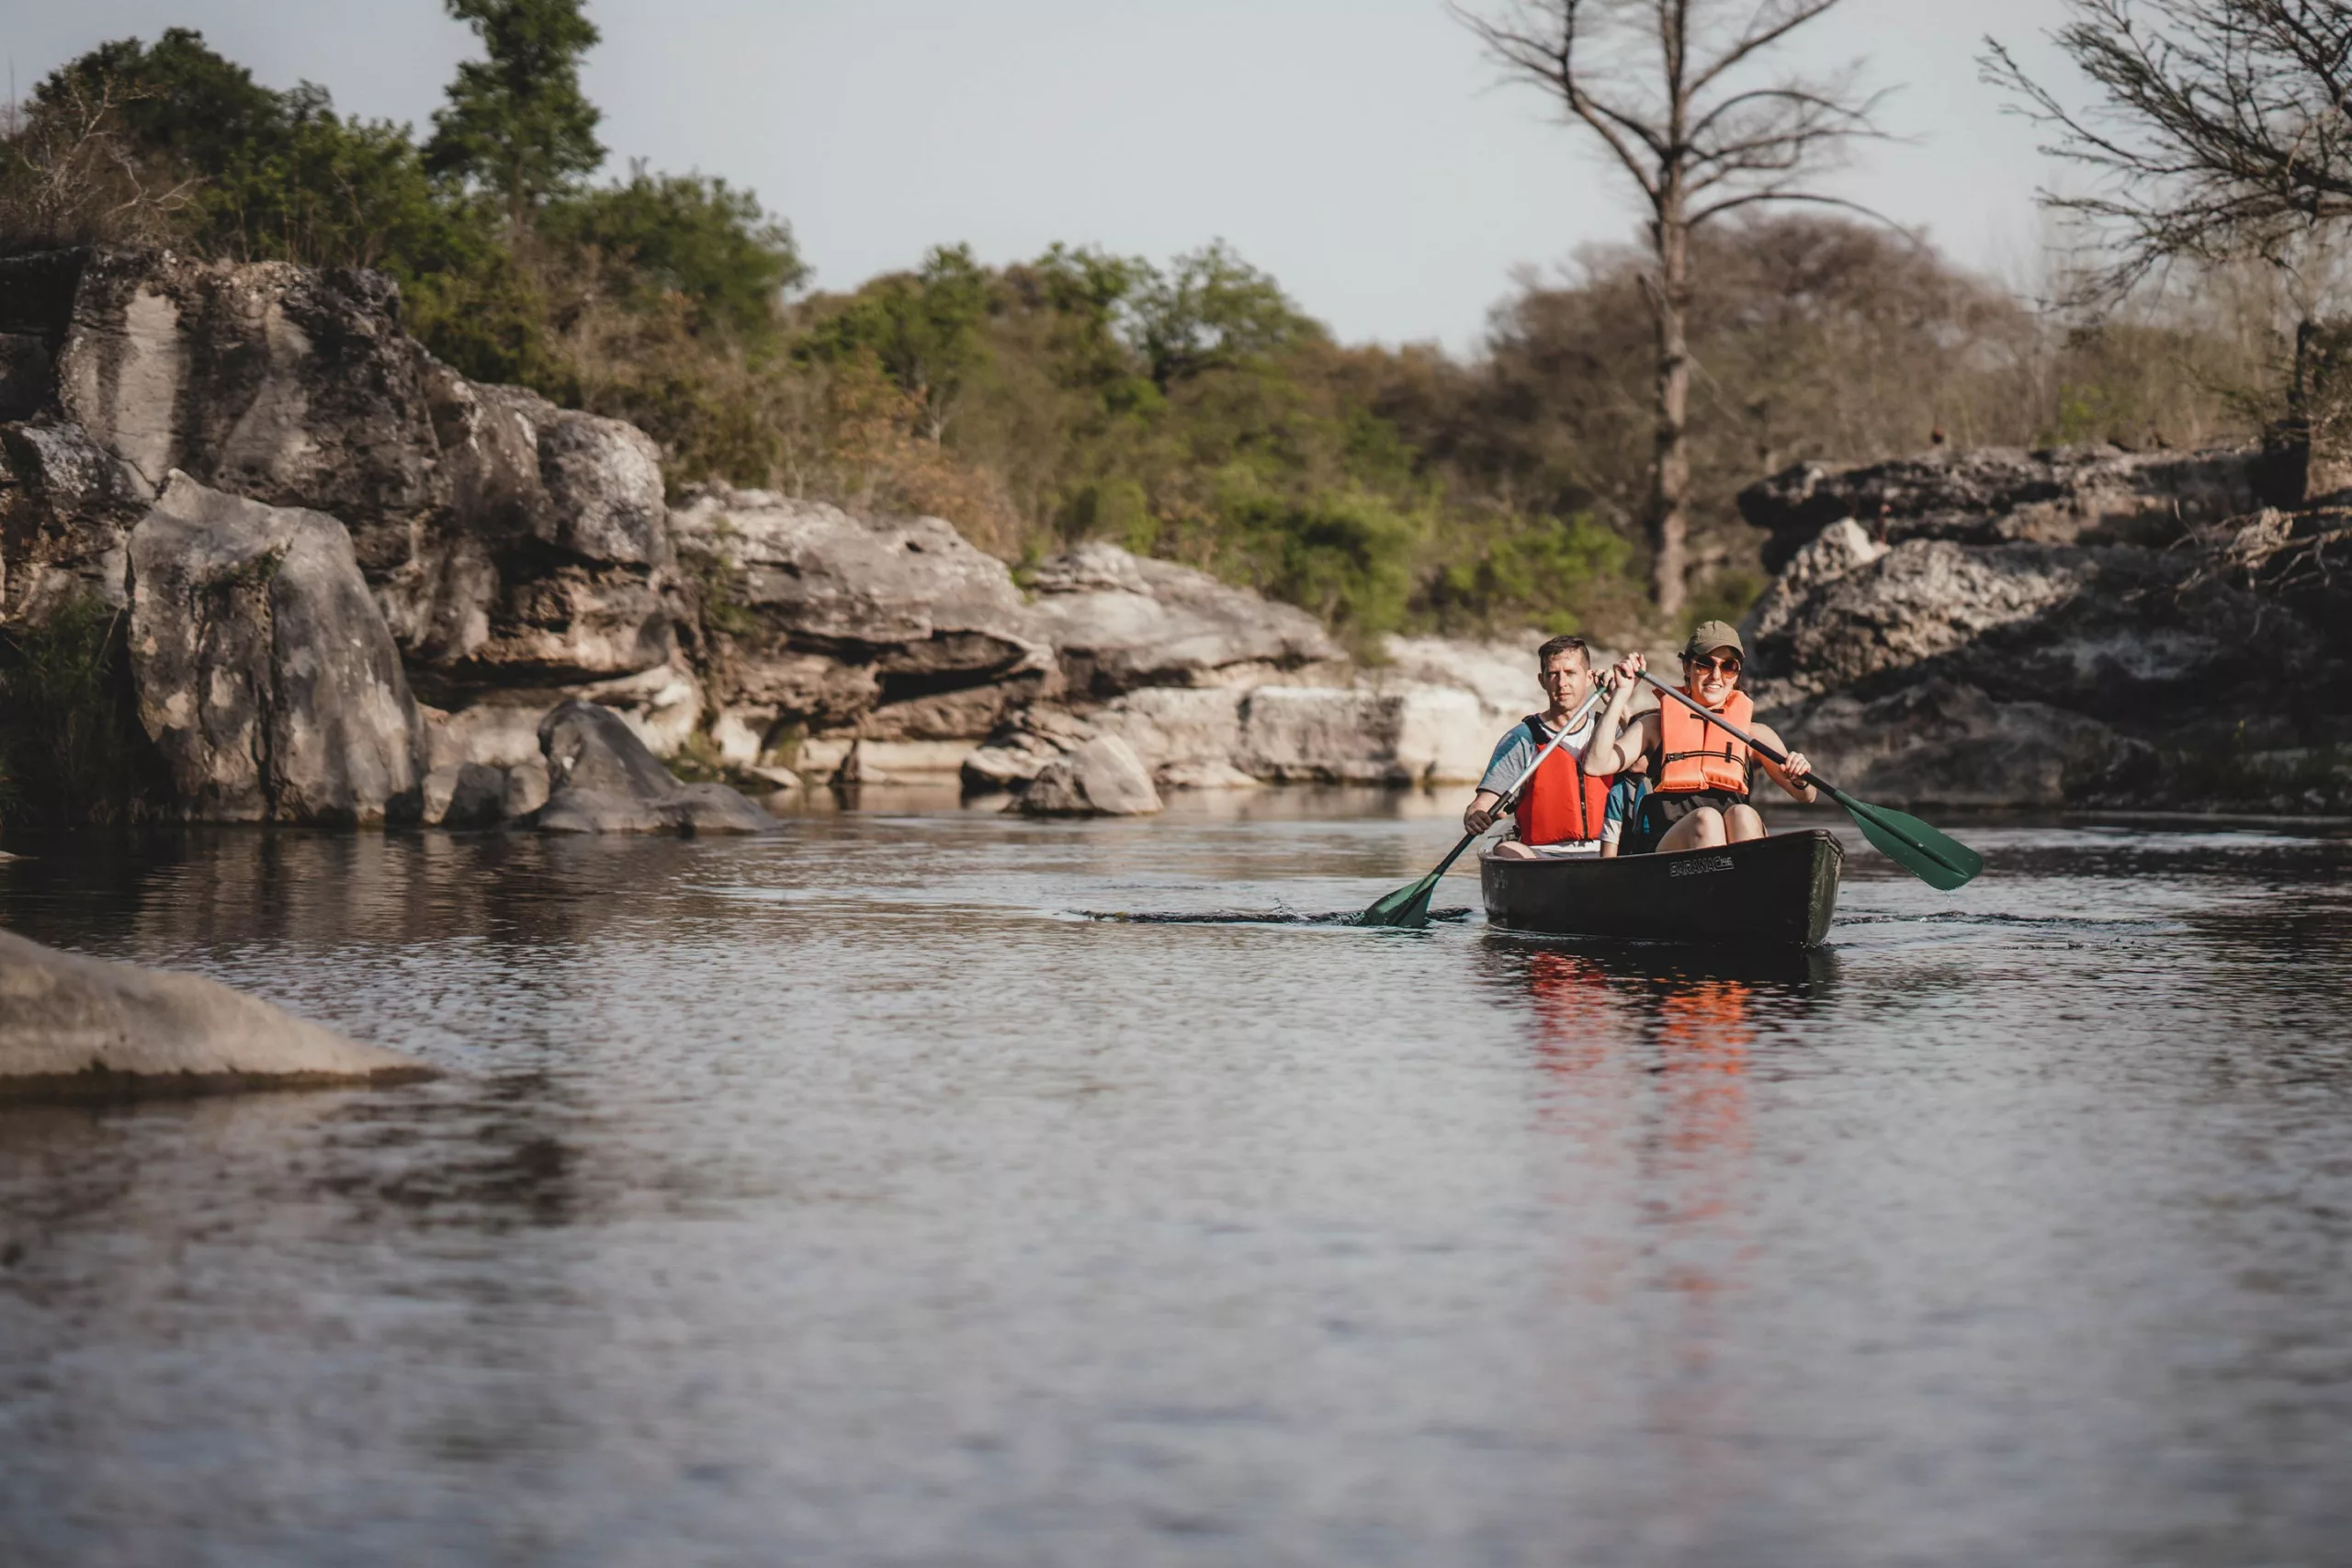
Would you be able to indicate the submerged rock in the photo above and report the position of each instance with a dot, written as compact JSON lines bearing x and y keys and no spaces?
{"x":265,"y":675}
{"x":1102,"y":778}
{"x":72,"y":1026}
{"x":602,"y":779}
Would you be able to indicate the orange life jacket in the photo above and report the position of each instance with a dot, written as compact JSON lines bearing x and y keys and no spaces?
{"x":1561,"y":804}
{"x":1695,"y":754}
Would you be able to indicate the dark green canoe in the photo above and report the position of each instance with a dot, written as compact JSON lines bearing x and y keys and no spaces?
{"x":1777,"y":891}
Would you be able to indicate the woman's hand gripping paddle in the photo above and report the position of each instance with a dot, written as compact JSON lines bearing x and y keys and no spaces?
{"x":1409,"y":906}
{"x":1939,"y":861}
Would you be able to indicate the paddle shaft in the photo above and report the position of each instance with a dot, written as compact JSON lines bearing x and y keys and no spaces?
{"x":1781,"y":758}
{"x":1510,"y":797}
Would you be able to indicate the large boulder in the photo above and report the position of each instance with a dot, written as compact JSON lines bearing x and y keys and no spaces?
{"x":1102,"y":778}
{"x":67,"y":506}
{"x":550,"y":561}
{"x":285,"y":384}
{"x":893,"y":629}
{"x":1119,"y":621}
{"x":72,"y":1026}
{"x":1946,"y":743}
{"x":2106,"y":628}
{"x":602,"y":779}
{"x":264,"y":673}
{"x":510,"y":542}
{"x":2004,"y":495}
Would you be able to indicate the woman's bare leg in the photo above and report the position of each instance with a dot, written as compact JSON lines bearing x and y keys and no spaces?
{"x":1511,"y":848}
{"x":1702,"y":829}
{"x":1742,"y":823}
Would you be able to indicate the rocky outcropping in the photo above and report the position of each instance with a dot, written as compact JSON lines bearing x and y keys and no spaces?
{"x":887,"y":629}
{"x":265,"y":675}
{"x":1120,"y":621}
{"x":520,"y":557}
{"x":76,"y":1027}
{"x":2067,"y":495}
{"x":1102,"y":777}
{"x":602,"y":780}
{"x":2054,"y":628}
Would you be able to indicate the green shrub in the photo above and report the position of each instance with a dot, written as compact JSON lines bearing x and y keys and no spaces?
{"x":71,"y":748}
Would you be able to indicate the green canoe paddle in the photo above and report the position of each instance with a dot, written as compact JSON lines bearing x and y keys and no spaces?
{"x":1409,"y":906}
{"x":1935,"y":858}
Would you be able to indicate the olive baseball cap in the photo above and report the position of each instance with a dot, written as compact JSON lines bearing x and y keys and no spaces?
{"x":1711,"y":636}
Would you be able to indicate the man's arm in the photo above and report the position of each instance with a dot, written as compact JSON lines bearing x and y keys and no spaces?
{"x":1481,"y":813}
{"x":1792,"y":777}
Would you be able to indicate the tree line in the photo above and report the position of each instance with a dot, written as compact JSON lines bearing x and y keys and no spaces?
{"x":1576,"y":472}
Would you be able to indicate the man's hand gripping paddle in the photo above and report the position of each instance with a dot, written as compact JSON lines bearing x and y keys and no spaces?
{"x":1410,"y":907}
{"x":1934,"y":858}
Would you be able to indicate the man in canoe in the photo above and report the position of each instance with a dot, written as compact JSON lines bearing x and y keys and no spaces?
{"x":1700,"y":773}
{"x":1562,"y":812}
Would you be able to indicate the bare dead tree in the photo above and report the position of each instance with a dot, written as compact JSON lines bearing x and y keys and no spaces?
{"x":1669,"y":86}
{"x":2222,"y":133}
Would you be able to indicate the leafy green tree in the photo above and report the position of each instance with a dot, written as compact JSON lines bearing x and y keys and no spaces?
{"x":689,"y":236}
{"x":1211,"y":309}
{"x":923,"y":328}
{"x":517,"y":125}
{"x":175,"y":99}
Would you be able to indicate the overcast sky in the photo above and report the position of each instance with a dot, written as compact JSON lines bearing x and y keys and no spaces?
{"x":1359,"y":150}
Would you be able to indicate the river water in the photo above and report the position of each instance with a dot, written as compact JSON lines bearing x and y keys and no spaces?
{"x":846,"y":1198}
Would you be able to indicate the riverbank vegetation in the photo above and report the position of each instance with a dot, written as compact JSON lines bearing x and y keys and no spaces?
{"x":1188,"y":406}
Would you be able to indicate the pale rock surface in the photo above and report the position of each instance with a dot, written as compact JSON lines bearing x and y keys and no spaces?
{"x":1411,"y":735}
{"x":2005,"y":495}
{"x":72,"y":1026}
{"x":265,"y":675}
{"x":602,"y":779}
{"x":1119,"y":621}
{"x":1018,"y":749}
{"x":1103,"y":777}
{"x":877,"y":628}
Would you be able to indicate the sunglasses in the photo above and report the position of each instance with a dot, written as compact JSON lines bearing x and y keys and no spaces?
{"x":1716,"y":666}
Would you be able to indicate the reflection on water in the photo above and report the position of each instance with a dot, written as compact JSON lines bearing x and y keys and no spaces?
{"x":848,"y":1198}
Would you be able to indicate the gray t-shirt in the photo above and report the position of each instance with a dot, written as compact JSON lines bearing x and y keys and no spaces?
{"x":1516,"y":749}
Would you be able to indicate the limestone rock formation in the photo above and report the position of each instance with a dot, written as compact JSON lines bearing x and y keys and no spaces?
{"x":72,"y":1027}
{"x":2004,"y":495}
{"x":265,"y":675}
{"x":602,"y":780}
{"x":881,"y":629}
{"x":518,"y":551}
{"x":1119,"y":621}
{"x":2032,"y":629}
{"x":67,"y":507}
{"x":1102,"y":777}
{"x":1943,"y":742}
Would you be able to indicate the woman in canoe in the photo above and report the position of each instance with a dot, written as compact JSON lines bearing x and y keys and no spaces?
{"x":1700,"y":774}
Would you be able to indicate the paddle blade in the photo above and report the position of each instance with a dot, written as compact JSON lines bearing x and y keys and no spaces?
{"x":1407,"y":906}
{"x":1934,"y":857}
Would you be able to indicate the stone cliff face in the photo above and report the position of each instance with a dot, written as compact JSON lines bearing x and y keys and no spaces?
{"x":2055,"y":628}
{"x":357,"y":582}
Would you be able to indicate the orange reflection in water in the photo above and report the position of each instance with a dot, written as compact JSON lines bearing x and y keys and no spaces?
{"x":1649,"y":1098}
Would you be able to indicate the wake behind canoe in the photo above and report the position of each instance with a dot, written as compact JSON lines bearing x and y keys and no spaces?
{"x":1780,"y":890}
